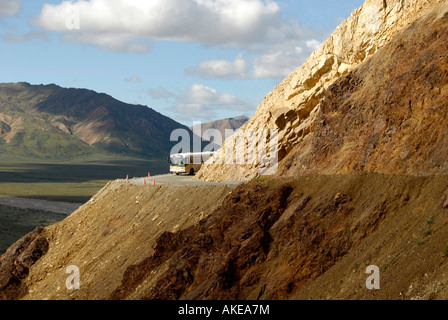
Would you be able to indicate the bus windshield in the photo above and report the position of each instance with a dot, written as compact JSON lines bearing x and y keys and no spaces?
{"x":189,"y":163}
{"x":177,"y":160}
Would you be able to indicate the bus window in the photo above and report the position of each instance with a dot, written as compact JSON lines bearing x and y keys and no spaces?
{"x":188,"y":162}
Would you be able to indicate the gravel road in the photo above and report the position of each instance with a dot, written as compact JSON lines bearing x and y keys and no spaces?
{"x":180,"y":180}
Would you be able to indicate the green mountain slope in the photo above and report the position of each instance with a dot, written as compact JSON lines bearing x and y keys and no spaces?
{"x":47,"y":121}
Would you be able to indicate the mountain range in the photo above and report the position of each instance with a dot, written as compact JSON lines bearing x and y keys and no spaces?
{"x":222,"y":125}
{"x":51,"y":122}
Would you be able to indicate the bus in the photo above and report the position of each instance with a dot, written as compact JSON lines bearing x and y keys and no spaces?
{"x":188,"y":162}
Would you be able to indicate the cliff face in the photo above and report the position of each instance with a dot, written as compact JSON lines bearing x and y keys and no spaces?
{"x":293,"y":105}
{"x":389,"y":115}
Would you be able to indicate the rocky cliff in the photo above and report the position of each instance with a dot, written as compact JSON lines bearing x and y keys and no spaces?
{"x":389,"y":115}
{"x":293,"y":105}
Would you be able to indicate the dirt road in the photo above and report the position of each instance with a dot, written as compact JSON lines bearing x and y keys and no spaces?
{"x":180,"y":180}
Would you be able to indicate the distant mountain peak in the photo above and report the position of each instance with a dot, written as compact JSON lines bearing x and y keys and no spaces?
{"x":53,"y":122}
{"x":223,"y":125}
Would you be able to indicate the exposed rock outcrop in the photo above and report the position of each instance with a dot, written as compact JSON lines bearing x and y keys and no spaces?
{"x":15,"y":264}
{"x":389,"y":115}
{"x":274,"y":240}
{"x":293,"y":105}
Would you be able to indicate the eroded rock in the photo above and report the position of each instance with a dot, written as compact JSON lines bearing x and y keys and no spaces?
{"x":367,"y":30}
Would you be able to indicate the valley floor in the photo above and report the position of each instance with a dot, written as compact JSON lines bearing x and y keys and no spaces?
{"x":64,"y":208}
{"x":15,"y":222}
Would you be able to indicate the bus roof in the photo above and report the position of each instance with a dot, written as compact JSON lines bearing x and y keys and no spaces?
{"x":192,"y":154}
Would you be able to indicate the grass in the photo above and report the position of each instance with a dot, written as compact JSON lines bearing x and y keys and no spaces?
{"x":77,"y":192}
{"x":69,"y":181}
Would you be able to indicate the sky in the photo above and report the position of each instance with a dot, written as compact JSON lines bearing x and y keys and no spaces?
{"x":191,"y":60}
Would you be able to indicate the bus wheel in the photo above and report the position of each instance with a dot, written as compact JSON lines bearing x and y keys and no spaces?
{"x":191,"y":172}
{"x":177,"y":173}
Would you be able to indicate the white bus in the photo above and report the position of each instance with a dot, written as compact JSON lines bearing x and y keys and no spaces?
{"x":188,"y":162}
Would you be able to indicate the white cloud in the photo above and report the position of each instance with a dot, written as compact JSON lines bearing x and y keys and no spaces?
{"x":279,"y":64}
{"x":268,"y":45}
{"x":201,"y":94}
{"x":277,"y":61}
{"x":221,"y":68}
{"x":9,"y":7}
{"x":284,"y":49}
{"x":218,"y":22}
{"x":272,"y":65}
{"x":313,"y":44}
{"x":133,"y":79}
{"x":200,"y":102}
{"x":287,"y":49}
{"x":123,"y":43}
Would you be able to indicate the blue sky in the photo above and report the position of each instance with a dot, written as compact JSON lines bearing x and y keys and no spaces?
{"x":192,"y":60}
